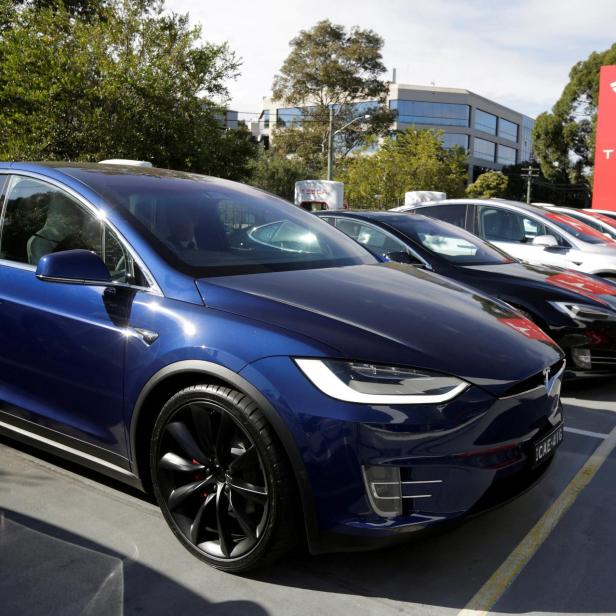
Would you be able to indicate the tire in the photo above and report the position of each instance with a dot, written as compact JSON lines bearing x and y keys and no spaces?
{"x":221,"y":479}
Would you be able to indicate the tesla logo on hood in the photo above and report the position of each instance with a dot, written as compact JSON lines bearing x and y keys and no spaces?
{"x":527,"y":328}
{"x":582,"y":285}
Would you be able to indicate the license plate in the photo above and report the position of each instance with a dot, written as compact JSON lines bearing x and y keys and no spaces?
{"x":546,"y":446}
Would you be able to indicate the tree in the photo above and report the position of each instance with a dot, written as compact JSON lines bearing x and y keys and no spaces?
{"x":564,"y":138}
{"x":125,"y":80}
{"x":487,"y":185}
{"x":278,"y":174}
{"x":411,"y":160}
{"x":330,"y":68}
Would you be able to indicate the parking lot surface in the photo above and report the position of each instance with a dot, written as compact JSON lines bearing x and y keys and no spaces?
{"x":73,"y":542}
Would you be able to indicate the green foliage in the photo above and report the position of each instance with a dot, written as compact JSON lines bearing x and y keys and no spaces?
{"x":278,"y":174}
{"x":411,"y":160}
{"x":564,"y":138}
{"x":487,"y":185}
{"x":114,"y":78}
{"x":329,"y":67}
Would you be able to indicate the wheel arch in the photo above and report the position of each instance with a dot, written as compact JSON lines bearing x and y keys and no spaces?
{"x":174,"y":377}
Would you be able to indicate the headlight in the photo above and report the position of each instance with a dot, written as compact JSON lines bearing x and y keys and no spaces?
{"x":585,"y":312}
{"x":376,"y":384}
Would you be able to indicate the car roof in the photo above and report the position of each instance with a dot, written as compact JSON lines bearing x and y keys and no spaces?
{"x":494,"y":201}
{"x":61,"y":170}
{"x":375,"y":215}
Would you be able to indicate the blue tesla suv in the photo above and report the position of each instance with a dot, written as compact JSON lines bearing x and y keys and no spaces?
{"x":263,"y":374}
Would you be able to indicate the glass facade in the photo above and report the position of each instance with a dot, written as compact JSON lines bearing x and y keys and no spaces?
{"x":452,"y":139}
{"x":264,"y":119}
{"x":289,"y":116}
{"x":506,"y":155}
{"x":484,"y":150}
{"x":485,"y":122}
{"x":438,"y":114}
{"x":294,"y":116}
{"x":526,"y":152}
{"x":507,"y":129}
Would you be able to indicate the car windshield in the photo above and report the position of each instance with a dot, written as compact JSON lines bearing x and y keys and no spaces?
{"x":448,"y":241}
{"x":578,"y":229}
{"x":210,"y":227}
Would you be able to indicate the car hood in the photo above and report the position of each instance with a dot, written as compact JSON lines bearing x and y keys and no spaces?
{"x":566,"y":283}
{"x":395,"y":314}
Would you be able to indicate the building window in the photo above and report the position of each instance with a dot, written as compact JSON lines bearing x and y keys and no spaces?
{"x":264,"y":118}
{"x":485,"y":122}
{"x":526,"y":152}
{"x":506,"y":155}
{"x":290,"y":116}
{"x":452,"y":139}
{"x":484,"y":150}
{"x":507,"y":129}
{"x":438,"y":114}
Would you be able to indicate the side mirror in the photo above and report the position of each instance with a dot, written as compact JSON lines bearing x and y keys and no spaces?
{"x":73,"y":267}
{"x":403,"y":257}
{"x":545,"y":240}
{"x":398,"y":256}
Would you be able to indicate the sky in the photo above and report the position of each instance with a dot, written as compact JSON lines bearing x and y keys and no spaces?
{"x":516,"y":52}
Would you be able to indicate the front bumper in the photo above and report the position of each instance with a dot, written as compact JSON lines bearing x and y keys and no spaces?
{"x":590,"y":349}
{"x":451,"y":457}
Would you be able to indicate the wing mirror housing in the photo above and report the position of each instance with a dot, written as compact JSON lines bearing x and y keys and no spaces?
{"x":404,"y":257}
{"x":73,"y":267}
{"x":545,"y":240}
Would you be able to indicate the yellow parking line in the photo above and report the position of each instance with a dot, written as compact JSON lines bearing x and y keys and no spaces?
{"x":487,"y":596}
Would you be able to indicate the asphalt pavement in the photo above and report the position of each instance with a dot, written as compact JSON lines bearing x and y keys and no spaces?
{"x":73,"y":542}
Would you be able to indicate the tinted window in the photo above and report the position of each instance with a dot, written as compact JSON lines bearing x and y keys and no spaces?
{"x":507,"y":129}
{"x":485,"y":150}
{"x":40,"y":219}
{"x":373,"y":238}
{"x":506,"y":155}
{"x":449,"y":242}
{"x":453,"y":213}
{"x":485,"y":122}
{"x":501,"y":225}
{"x":209,"y":227}
{"x":427,"y":112}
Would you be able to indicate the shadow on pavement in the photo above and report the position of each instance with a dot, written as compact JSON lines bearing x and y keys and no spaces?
{"x":45,"y":570}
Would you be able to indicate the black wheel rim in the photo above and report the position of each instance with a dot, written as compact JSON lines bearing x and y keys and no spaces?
{"x":212,"y":480}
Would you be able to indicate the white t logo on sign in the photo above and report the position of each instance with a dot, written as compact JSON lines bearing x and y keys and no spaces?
{"x":608,"y":153}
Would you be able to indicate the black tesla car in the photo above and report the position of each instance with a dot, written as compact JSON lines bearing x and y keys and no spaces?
{"x":577,"y":310}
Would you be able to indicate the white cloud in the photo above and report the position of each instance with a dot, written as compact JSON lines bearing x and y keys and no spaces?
{"x":517,"y":52}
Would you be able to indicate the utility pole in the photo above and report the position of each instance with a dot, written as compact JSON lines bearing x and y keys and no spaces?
{"x":531,"y":172}
{"x":330,"y":143}
{"x":331,"y":133}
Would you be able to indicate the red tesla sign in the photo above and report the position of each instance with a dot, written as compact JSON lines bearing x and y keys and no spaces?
{"x":604,"y":191}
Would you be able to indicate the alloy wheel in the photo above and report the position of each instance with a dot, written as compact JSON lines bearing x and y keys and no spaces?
{"x":212,"y":480}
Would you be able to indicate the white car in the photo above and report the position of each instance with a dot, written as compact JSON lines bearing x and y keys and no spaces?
{"x":529,"y":233}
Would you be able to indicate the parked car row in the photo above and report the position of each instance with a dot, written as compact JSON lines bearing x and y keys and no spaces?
{"x":576,"y":310}
{"x":264,"y":374}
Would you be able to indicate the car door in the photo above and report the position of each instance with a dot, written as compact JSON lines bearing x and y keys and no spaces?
{"x":514,"y":233}
{"x":62,"y":346}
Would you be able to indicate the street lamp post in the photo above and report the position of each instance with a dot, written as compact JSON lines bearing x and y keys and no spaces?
{"x":330,"y":138}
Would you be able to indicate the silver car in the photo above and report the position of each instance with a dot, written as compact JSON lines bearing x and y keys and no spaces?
{"x":530,"y":233}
